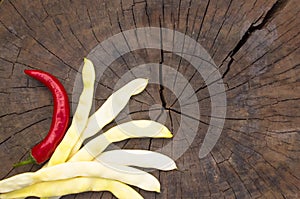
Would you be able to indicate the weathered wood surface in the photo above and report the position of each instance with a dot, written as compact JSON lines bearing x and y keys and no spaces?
{"x":254,"y":43}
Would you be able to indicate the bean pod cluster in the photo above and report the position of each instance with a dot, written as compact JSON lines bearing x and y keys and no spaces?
{"x":74,"y":168}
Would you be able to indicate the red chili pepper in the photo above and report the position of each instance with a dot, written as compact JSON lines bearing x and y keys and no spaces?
{"x":60,"y":118}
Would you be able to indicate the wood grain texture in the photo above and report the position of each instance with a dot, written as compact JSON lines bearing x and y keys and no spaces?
{"x":255,"y":45}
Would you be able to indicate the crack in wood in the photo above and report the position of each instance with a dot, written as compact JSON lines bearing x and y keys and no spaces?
{"x":277,"y":6}
{"x":28,"y":126}
{"x":147,"y":13}
{"x":264,"y":54}
{"x":20,"y":113}
{"x":26,"y":22}
{"x":269,"y":32}
{"x":218,"y":32}
{"x":161,"y":87}
{"x":91,"y":25}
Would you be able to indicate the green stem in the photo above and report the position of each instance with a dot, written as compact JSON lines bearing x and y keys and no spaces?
{"x":30,"y":160}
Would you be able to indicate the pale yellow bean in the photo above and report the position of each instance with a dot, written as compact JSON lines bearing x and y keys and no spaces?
{"x":132,"y":129}
{"x":67,"y":170}
{"x":137,"y":158}
{"x":72,"y":186}
{"x":80,"y":117}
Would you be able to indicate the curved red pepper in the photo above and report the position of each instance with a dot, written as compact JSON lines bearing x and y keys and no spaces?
{"x":60,"y":118}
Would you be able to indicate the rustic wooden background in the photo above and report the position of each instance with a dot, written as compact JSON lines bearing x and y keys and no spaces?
{"x":255,"y":44}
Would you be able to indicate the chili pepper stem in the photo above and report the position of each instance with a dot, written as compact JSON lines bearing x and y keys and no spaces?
{"x":30,"y":160}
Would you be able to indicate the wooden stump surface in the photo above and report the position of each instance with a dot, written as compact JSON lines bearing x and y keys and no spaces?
{"x":255,"y":45}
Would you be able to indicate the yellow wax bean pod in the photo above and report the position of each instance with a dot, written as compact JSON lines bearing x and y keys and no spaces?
{"x":137,"y":158}
{"x":67,"y":170}
{"x":110,"y":109}
{"x":80,"y":117}
{"x":72,"y":186}
{"x":132,"y":129}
